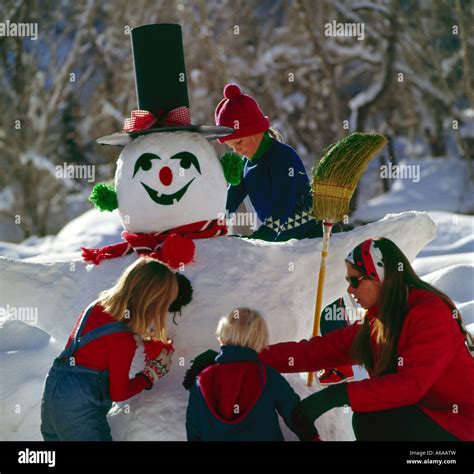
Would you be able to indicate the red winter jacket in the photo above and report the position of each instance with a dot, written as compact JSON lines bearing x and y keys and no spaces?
{"x":114,"y":353}
{"x":436,"y":370}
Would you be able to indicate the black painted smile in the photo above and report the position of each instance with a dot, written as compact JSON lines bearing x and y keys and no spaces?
{"x":167,"y":199}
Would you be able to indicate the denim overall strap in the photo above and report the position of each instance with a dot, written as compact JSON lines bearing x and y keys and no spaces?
{"x":85,"y":317}
{"x":101,"y":331}
{"x":64,"y":363}
{"x":69,"y":351}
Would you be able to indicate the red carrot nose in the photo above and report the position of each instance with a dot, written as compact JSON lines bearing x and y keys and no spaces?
{"x":166,"y":175}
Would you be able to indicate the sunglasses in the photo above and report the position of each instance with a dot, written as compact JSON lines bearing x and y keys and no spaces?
{"x":354,"y":281}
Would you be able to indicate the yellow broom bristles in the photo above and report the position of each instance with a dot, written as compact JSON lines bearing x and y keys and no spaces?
{"x":336,"y":175}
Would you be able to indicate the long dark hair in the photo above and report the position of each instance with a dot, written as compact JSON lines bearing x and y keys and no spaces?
{"x":393,"y":307}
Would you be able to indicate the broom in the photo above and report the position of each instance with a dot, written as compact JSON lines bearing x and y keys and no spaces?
{"x":334,"y":180}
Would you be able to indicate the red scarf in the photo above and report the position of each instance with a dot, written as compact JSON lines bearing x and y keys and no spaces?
{"x":174,"y":246}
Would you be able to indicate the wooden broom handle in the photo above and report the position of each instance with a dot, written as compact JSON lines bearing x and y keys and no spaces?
{"x":327,"y":226}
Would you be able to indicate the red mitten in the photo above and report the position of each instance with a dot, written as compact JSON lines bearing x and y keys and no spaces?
{"x":156,"y":368}
{"x":153,"y":349}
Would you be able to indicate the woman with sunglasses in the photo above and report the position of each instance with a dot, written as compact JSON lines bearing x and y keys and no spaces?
{"x":412,"y":342}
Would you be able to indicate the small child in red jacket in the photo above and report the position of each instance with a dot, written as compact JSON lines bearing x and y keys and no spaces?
{"x":238,"y":398}
{"x":93,"y":370}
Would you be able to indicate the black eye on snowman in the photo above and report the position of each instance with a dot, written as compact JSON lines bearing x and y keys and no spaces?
{"x":144,"y":162}
{"x":186,"y":160}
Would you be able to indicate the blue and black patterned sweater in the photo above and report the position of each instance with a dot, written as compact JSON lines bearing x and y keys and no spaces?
{"x":279,"y":189}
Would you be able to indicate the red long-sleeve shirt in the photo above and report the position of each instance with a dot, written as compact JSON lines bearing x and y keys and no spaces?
{"x":435,"y":370}
{"x":114,"y":353}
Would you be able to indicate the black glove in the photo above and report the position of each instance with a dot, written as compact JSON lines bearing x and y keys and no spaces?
{"x":312,"y":407}
{"x":303,"y":427}
{"x":197,"y":366}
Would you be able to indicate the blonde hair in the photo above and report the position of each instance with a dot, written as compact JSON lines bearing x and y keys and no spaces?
{"x":243,"y":327}
{"x":142,"y":296}
{"x":275,"y":134}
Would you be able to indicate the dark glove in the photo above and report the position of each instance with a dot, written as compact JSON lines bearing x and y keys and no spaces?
{"x":303,"y":427}
{"x":312,"y":407}
{"x":197,"y":366}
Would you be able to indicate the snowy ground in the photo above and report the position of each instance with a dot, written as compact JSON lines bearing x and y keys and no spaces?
{"x":226,"y":274}
{"x":426,"y":184}
{"x":448,"y":261}
{"x":44,"y":277}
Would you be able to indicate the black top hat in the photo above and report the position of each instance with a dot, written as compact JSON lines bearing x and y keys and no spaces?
{"x":162,"y":88}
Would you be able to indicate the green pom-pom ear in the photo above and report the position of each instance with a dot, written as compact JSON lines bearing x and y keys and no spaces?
{"x":233,"y":166}
{"x":104,"y":197}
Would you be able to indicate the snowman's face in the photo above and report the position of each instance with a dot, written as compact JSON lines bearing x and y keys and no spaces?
{"x":168,"y":179}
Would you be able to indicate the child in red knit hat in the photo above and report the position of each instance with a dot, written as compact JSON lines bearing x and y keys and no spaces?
{"x":273,"y":177}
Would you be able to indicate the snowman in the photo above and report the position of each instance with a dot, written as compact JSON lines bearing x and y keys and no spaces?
{"x":169,"y":183}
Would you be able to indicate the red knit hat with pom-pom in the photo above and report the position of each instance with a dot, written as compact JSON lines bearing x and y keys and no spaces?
{"x":240,"y":112}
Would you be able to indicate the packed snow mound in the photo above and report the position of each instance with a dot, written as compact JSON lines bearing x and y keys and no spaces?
{"x":447,"y":280}
{"x":454,"y":232}
{"x":467,"y":312}
{"x":227,"y":272}
{"x":19,"y":251}
{"x":279,"y":279}
{"x":424,"y":184}
{"x":91,"y":229}
{"x":17,"y":335}
{"x":447,"y":262}
{"x":425,"y":265}
{"x":23,"y":372}
{"x":453,"y":244}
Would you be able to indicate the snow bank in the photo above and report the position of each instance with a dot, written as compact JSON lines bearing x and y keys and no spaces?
{"x":442,"y":185}
{"x":91,"y":229}
{"x":277,"y":278}
{"x":26,"y":354}
{"x":447,"y":262}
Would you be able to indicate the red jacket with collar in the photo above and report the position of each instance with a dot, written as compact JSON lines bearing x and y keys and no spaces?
{"x":435,"y":372}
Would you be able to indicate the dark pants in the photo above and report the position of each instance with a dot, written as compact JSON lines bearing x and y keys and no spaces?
{"x":398,"y":424}
{"x":75,"y":404}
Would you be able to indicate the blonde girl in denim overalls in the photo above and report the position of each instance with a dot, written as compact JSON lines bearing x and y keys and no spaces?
{"x":92,"y":371}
